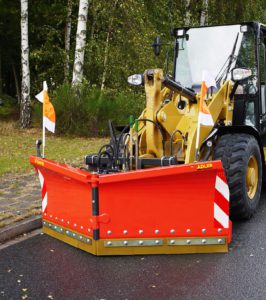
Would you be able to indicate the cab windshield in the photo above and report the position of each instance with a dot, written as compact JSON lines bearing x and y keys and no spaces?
{"x":206,"y":48}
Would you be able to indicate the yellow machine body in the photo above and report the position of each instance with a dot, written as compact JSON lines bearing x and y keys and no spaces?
{"x":162,"y":107}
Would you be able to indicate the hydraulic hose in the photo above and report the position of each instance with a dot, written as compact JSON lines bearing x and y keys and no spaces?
{"x":100,"y":154}
{"x":128,"y":126}
{"x":119,"y":141}
{"x":159,"y":128}
{"x":171,"y":140}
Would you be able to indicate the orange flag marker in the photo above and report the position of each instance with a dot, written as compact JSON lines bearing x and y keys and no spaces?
{"x":204,"y":117}
{"x":49,"y":117}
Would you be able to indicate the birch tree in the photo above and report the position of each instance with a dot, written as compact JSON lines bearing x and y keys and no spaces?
{"x":204,"y":13}
{"x":80,"y":42}
{"x":106,"y":50}
{"x":67,"y":39}
{"x":25,"y":109}
{"x":187,"y":14}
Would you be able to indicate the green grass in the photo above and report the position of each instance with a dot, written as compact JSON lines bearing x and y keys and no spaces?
{"x":17,"y":145}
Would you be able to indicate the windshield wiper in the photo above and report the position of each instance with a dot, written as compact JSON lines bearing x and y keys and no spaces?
{"x":227,"y":65}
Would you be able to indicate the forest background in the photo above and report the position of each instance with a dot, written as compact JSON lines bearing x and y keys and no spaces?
{"x":117,"y":40}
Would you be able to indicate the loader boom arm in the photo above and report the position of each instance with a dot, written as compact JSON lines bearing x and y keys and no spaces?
{"x":163,"y":96}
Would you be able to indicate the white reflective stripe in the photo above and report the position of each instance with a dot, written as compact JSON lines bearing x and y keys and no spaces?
{"x":222,"y":188}
{"x":49,"y":124}
{"x":205,"y":119}
{"x":41,"y":178}
{"x":45,"y":87}
{"x":221,"y":216}
{"x":44,"y":202}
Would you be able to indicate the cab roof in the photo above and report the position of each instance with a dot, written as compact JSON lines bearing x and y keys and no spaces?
{"x":254,"y":24}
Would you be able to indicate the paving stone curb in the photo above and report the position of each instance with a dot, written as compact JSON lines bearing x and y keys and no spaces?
{"x":19,"y":228}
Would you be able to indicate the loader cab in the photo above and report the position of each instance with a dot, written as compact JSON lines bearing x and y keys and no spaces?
{"x":220,"y":49}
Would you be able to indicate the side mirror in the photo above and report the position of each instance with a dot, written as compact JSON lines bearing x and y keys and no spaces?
{"x":239,"y":74}
{"x":157,"y":46}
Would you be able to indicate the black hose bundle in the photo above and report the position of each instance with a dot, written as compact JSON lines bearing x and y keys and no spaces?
{"x":118,"y":144}
{"x":140,"y":120}
{"x":105,"y":153}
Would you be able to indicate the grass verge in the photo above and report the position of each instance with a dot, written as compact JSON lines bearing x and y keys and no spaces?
{"x":17,"y":145}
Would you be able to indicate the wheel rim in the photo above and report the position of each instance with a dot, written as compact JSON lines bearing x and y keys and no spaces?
{"x":252,"y":177}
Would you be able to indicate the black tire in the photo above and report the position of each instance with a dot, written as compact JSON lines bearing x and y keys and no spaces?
{"x":235,"y":152}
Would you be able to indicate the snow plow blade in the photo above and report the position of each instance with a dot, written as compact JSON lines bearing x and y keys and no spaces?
{"x":166,"y":210}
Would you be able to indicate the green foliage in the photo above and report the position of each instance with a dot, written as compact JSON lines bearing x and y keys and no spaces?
{"x":131,"y":26}
{"x":9,"y":45}
{"x":8,"y":107}
{"x":85,"y":111}
{"x":46,"y":38}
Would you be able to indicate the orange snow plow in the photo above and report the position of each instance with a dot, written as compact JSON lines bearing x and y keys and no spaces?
{"x":175,"y":209}
{"x":170,"y":180}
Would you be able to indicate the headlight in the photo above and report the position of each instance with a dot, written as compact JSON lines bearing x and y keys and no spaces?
{"x":239,"y":74}
{"x":136,"y":79}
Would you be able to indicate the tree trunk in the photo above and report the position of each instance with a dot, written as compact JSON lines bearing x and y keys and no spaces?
{"x":80,"y":42}
{"x":105,"y":60}
{"x":1,"y":79}
{"x":106,"y":50}
{"x":204,"y":13}
{"x":187,"y":13}
{"x":67,"y":39}
{"x":94,"y":11}
{"x":25,"y":109}
{"x":16,"y":82}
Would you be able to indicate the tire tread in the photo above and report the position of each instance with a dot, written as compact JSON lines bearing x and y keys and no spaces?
{"x":232,"y":150}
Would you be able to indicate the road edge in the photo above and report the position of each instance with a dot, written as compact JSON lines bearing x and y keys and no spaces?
{"x":19,"y":228}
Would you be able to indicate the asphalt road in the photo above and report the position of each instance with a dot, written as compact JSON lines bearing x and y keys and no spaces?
{"x":41,"y":267}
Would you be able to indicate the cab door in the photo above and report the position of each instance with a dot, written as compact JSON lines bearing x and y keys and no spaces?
{"x":247,"y":96}
{"x":262,"y":71}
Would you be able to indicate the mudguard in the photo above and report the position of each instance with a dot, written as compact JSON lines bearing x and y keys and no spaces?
{"x":175,"y":209}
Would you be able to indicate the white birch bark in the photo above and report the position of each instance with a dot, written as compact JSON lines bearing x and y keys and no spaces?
{"x":106,"y":50}
{"x":80,"y":42}
{"x":187,"y":14}
{"x":67,"y":39}
{"x":25,"y":109}
{"x":204,"y":13}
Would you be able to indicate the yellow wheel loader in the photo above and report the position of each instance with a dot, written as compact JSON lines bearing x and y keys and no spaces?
{"x":168,"y":180}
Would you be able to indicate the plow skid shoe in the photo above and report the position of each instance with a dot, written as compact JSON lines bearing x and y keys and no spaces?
{"x":164,"y":210}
